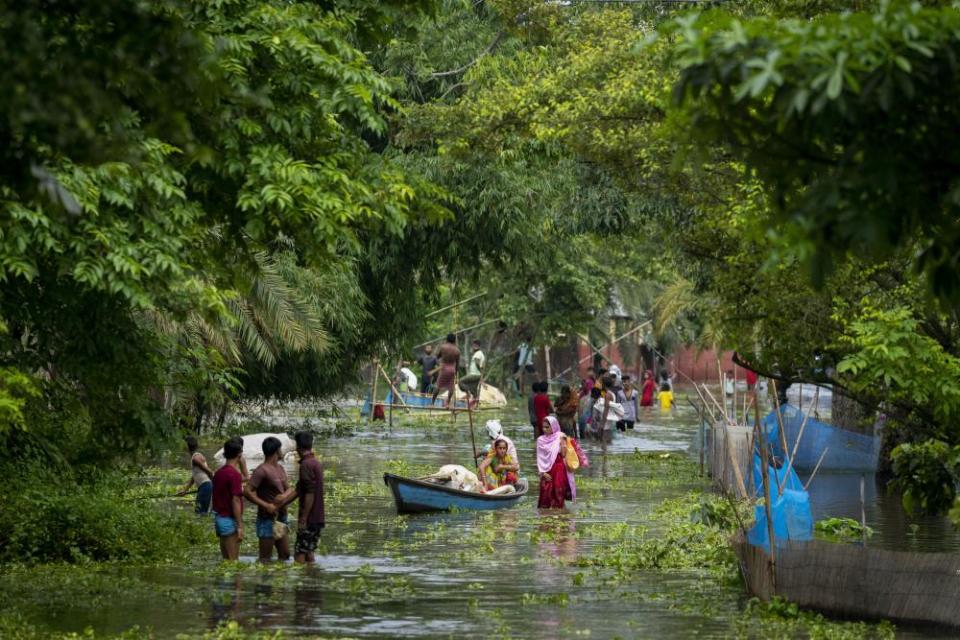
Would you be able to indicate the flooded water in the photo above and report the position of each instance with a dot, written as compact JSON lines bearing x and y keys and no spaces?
{"x":514,"y":573}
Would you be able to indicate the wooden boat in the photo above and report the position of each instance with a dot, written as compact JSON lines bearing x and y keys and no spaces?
{"x":419,"y":496}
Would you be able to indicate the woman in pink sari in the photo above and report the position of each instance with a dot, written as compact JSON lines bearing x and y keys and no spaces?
{"x":556,"y":483}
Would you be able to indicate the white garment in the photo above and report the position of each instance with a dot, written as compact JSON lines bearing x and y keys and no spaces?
{"x":614,"y":415}
{"x":477,"y":361}
{"x":526,"y":355}
{"x":410,"y":378}
{"x":199,"y":475}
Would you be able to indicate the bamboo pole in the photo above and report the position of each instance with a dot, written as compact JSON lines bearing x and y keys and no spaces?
{"x":765,"y":478}
{"x":452,"y":396}
{"x":723,"y":391}
{"x":803,"y":425}
{"x":598,"y":351}
{"x":457,"y":332}
{"x":863,"y":511}
{"x":737,"y":473}
{"x":396,"y":394}
{"x":432,"y":409}
{"x":816,"y":468}
{"x":733,"y":403}
{"x":722,"y":412}
{"x":746,"y":408}
{"x":373,"y":391}
{"x":455,"y":304}
{"x":776,"y":405}
{"x":728,"y":449}
{"x":473,"y":440}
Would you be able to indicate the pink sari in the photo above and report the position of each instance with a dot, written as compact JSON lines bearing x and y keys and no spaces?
{"x":560,"y":486}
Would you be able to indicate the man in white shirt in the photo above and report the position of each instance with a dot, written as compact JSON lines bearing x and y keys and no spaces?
{"x":470,"y":383}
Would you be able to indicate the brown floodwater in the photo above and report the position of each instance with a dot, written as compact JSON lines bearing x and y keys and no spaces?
{"x":514,"y":573}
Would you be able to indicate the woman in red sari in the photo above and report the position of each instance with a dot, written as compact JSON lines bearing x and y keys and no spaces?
{"x":554,"y":481}
{"x":648,"y":389}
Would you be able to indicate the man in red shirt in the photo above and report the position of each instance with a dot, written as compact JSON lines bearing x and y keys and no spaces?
{"x":228,"y":501}
{"x":542,"y":407}
{"x":309,"y":490}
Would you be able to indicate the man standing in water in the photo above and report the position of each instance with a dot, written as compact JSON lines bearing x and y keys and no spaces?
{"x":427,"y":362}
{"x":309,"y":490}
{"x":228,"y":501}
{"x":200,"y":475}
{"x":449,"y":361}
{"x":470,"y":383}
{"x":268,"y":481}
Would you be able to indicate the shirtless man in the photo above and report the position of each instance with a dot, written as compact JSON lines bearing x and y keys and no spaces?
{"x":449,"y":362}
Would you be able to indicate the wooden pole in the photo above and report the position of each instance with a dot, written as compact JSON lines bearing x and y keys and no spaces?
{"x":803,"y":425}
{"x":373,"y":390}
{"x":455,"y":305}
{"x":816,"y":468}
{"x":863,"y":511}
{"x":396,"y":394}
{"x":594,"y":350}
{"x":452,"y":396}
{"x":473,"y":441}
{"x":765,"y":477}
{"x":737,"y":473}
{"x":722,"y":412}
{"x":733,"y":403}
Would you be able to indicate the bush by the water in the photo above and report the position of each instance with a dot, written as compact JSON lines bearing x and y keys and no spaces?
{"x":76,"y":515}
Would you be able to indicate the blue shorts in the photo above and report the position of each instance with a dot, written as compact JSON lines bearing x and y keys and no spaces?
{"x":265,"y":526}
{"x":224,"y":526}
{"x":204,"y":494}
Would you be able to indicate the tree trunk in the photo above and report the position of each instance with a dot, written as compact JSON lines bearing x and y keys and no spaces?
{"x":201,"y":406}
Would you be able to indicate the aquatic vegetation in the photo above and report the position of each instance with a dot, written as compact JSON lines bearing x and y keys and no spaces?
{"x":16,"y":628}
{"x":841,"y":530}
{"x":782,"y":619}
{"x":678,"y":539}
{"x":404,"y":468}
{"x":85,"y":586}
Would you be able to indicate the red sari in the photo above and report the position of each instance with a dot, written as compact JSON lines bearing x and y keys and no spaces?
{"x":649,"y":386}
{"x":554,"y":492}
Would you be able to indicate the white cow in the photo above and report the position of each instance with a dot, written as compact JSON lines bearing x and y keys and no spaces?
{"x":456,"y":476}
{"x":253,"y":448}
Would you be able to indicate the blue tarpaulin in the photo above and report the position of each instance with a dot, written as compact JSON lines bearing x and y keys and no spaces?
{"x":845,"y":450}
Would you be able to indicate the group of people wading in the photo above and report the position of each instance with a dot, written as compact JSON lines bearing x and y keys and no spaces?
{"x":606,"y":401}
{"x":269,"y":489}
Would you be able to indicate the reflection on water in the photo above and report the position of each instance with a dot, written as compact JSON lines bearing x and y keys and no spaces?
{"x":513,"y":573}
{"x":838,"y":495}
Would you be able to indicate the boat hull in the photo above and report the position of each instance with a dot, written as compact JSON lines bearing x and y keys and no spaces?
{"x":417,"y":496}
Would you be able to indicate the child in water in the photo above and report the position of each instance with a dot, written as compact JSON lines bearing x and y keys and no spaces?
{"x":498,"y":468}
{"x":666,"y":398}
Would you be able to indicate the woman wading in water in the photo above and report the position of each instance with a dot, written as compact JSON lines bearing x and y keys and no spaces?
{"x":555,"y":481}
